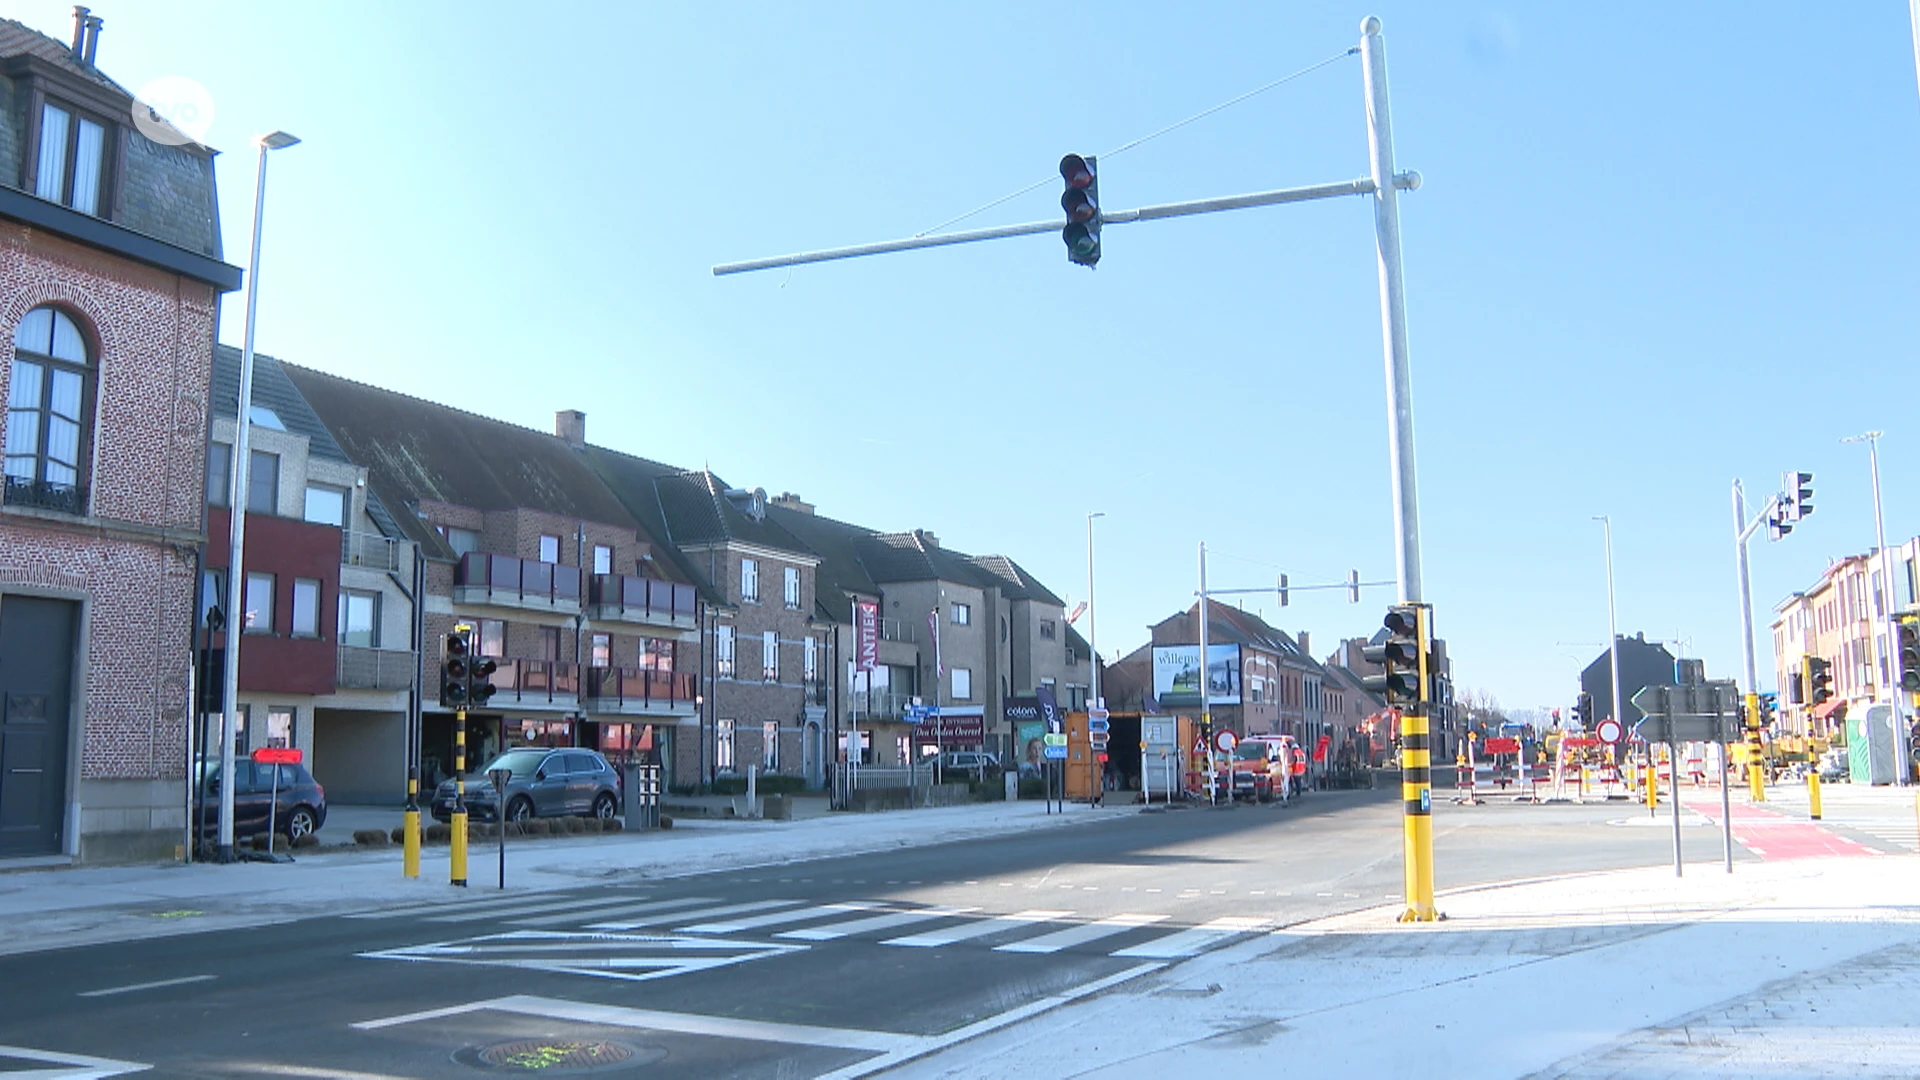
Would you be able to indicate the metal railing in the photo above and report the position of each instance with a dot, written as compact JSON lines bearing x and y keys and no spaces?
{"x":371,"y":550}
{"x":520,"y":681}
{"x":46,"y":495}
{"x":896,"y":630}
{"x":361,"y":668}
{"x":617,"y":686}
{"x":514,"y":580}
{"x":880,"y":705}
{"x":646,"y":598}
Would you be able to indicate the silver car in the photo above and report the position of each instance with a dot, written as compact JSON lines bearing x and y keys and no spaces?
{"x":544,"y":782}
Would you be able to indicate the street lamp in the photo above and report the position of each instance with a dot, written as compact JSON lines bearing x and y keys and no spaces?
{"x":1093,"y":642}
{"x":1883,"y":599}
{"x":237,"y":506}
{"x":1613,"y":633}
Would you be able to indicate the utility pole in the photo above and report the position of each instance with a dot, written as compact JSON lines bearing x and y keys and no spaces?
{"x":1093,"y":641}
{"x":1206,"y":697}
{"x":1886,"y":658}
{"x":1613,"y":631}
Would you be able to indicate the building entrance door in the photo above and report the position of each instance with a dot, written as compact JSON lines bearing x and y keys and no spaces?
{"x":36,"y":688}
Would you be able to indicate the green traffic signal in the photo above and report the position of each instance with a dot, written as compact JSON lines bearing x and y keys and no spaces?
{"x":1081,"y":203}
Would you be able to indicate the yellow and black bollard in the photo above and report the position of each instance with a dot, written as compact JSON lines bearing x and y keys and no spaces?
{"x":1756,"y":754}
{"x":410,"y":827}
{"x":1813,"y":794}
{"x":458,"y":862}
{"x":1653,"y":787}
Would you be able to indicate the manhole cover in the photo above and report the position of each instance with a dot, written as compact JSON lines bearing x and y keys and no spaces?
{"x":552,"y":1057}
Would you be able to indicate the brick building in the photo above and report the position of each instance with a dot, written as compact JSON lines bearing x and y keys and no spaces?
{"x":110,"y":280}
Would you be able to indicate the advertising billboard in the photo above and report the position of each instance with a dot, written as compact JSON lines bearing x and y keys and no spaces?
{"x":1176,"y":675}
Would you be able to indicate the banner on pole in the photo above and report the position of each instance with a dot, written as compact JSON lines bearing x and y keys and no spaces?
{"x":866,"y":634}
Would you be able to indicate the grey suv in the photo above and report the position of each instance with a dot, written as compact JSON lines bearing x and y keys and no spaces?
{"x":545,"y":783}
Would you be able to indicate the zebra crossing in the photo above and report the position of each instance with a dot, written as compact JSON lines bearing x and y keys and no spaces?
{"x":768,"y":927}
{"x":1899,"y":833}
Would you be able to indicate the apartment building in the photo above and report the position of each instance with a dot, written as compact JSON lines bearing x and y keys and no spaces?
{"x":595,"y":632}
{"x":110,"y":281}
{"x":1843,"y":619}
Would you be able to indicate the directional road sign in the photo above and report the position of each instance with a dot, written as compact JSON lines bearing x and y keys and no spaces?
{"x":1692,"y":712}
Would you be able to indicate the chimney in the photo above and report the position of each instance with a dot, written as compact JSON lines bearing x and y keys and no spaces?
{"x":927,"y":538}
{"x":94,"y":22}
{"x":79,"y":31}
{"x":787,"y":500}
{"x":1306,"y":650}
{"x":571,"y":425}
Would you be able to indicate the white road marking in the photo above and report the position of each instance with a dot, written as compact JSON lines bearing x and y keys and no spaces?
{"x":684,"y":1023}
{"x":1080,"y":935}
{"x":704,"y":913}
{"x":878,"y":922}
{"x":82,"y":1067}
{"x":630,"y":958}
{"x":1189,"y":942}
{"x":965,"y":931}
{"x":602,"y":911}
{"x":526,"y":907}
{"x":754,"y":922}
{"x":145,"y":986}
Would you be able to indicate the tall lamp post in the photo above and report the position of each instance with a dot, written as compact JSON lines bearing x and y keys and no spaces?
{"x":1886,"y":658}
{"x":1093,"y":641}
{"x":237,"y":515}
{"x":1613,"y":633}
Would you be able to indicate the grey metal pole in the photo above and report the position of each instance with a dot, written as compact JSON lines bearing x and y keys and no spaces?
{"x":1740,"y":534}
{"x":1673,"y":796}
{"x":1726,"y":805}
{"x":1206,"y":715}
{"x":1618,"y":709}
{"x":1393,"y":310}
{"x":1886,"y":667}
{"x":1093,"y":641}
{"x":237,"y":529}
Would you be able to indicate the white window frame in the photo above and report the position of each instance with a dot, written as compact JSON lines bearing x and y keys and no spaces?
{"x":550,"y":550}
{"x":314,"y":588}
{"x":769,"y":746}
{"x":346,"y":504}
{"x":769,"y":656}
{"x":723,"y":651}
{"x":722,"y":744}
{"x":961,"y":614}
{"x":283,"y":722}
{"x":750,"y":580}
{"x":812,"y":668}
{"x":491,"y":637}
{"x":961,"y":683}
{"x":342,"y":627}
{"x":600,"y":648}
{"x":790,"y":587}
{"x":602,"y":559}
{"x":261,"y":605}
{"x":263,"y":467}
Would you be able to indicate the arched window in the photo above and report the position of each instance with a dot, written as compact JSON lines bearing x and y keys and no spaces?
{"x":47,"y":407}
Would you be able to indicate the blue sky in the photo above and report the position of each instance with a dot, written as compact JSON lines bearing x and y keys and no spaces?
{"x":1653,"y":253}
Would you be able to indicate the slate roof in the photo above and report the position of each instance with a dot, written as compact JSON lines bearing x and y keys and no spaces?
{"x":417,"y":450}
{"x":273,"y":390}
{"x":1017,"y":584}
{"x":840,"y":572}
{"x":1226,"y":623}
{"x":633,"y":480}
{"x":17,"y":38}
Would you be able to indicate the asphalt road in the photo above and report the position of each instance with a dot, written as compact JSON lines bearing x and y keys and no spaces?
{"x":832,"y":967}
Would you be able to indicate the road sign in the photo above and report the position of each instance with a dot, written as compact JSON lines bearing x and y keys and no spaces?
{"x":1200,"y":746}
{"x":1691,"y":712}
{"x":1054,"y":746}
{"x":1608,"y":730}
{"x":278,"y":755}
{"x":1226,"y":741}
{"x":1499,"y":745}
{"x":1097,"y":714}
{"x":917,"y":714}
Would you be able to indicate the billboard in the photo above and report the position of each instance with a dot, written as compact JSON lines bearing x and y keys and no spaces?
{"x":1176,"y":675}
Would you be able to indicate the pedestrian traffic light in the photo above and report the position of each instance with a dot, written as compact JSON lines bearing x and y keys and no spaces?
{"x":1283,"y":590}
{"x":1909,"y":652}
{"x":1819,"y":680}
{"x":1796,"y":495}
{"x":456,"y":658}
{"x":480,"y":681}
{"x":1401,"y":683}
{"x":1081,"y":201}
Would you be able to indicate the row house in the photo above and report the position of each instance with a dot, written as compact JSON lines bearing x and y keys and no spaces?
{"x":1843,"y":619}
{"x":111,"y":276}
{"x":328,"y":659}
{"x":593,"y":625}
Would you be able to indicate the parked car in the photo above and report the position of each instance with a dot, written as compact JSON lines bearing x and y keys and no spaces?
{"x":544,"y":783}
{"x":975,"y":763}
{"x":298,"y":803}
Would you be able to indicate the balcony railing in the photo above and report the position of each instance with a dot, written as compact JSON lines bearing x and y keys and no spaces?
{"x":485,"y":578}
{"x":880,"y":705}
{"x":371,"y":550}
{"x":630,"y":689}
{"x":896,"y":630}
{"x":46,"y":495}
{"x":638,"y":599}
{"x":374,"y":669}
{"x":522,"y":682}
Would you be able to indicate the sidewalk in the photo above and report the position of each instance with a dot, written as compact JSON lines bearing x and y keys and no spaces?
{"x":65,"y":907}
{"x":1794,"y":968}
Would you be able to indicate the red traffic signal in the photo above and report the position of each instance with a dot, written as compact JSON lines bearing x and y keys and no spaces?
{"x":1081,"y":202}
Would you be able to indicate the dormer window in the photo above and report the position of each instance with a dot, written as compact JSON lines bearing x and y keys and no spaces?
{"x":71,"y":167}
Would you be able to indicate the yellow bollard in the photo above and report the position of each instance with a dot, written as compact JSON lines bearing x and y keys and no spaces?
{"x":410,"y":827}
{"x":457,"y":861}
{"x":1813,"y":794}
{"x":1653,"y":787}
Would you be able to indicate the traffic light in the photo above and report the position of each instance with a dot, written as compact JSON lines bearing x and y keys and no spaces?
{"x":480,"y":681}
{"x":1402,"y":684}
{"x":1796,"y":495}
{"x":1353,"y":586}
{"x":1909,"y":652}
{"x":1778,"y":523}
{"x":1583,"y":710}
{"x":1283,"y":590}
{"x":456,"y":664}
{"x":1819,"y":680}
{"x":1081,"y":201}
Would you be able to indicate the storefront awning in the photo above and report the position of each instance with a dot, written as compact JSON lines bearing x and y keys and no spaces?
{"x":1822,"y":712}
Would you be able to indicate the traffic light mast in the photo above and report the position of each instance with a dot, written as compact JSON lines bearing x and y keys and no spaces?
{"x":456,"y":687}
{"x":1405,"y":683}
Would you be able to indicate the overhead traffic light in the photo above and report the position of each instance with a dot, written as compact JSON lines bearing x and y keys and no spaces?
{"x":456,"y":665}
{"x":1283,"y":590}
{"x":1909,"y":652}
{"x":1796,"y":495}
{"x":1401,"y":653}
{"x":1353,"y":586}
{"x":1583,"y":710}
{"x":1819,"y":680}
{"x":1779,"y":523}
{"x":1081,"y":201}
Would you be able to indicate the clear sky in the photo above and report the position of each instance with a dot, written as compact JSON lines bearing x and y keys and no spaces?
{"x":1654,"y":251}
